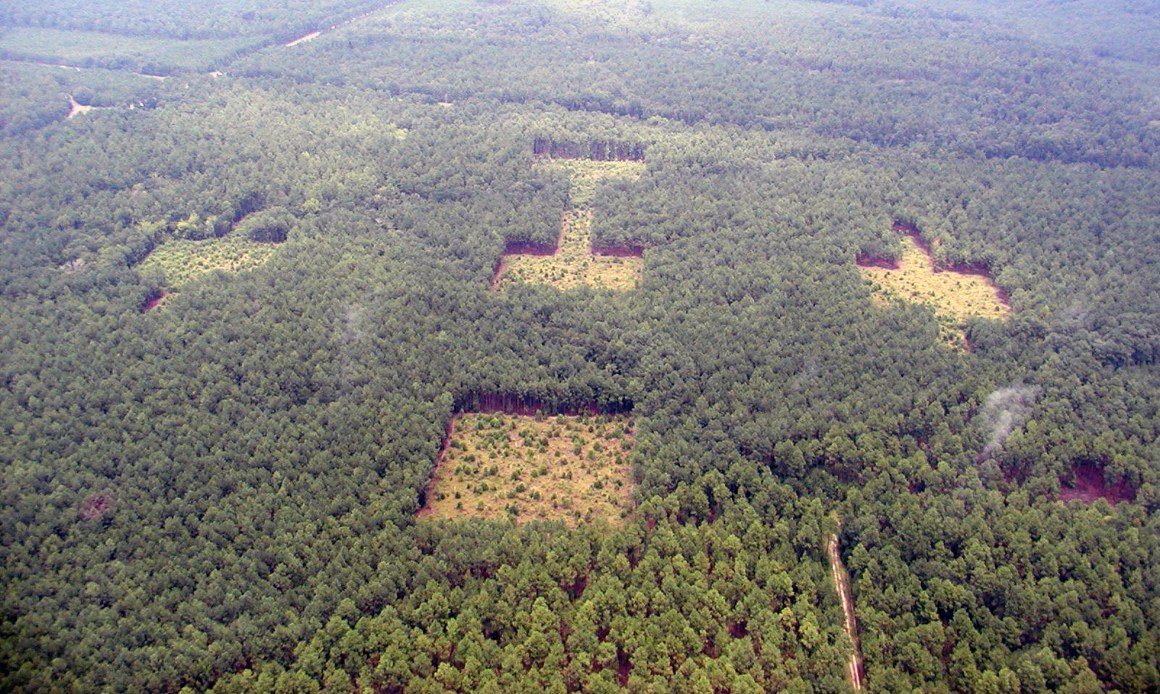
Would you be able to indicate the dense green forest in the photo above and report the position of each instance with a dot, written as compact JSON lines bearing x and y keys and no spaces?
{"x":212,"y":463}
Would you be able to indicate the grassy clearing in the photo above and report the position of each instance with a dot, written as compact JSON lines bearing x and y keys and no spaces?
{"x":115,"y":50}
{"x":180,"y":262}
{"x":573,"y":264}
{"x":584,"y":174}
{"x":955,"y":296}
{"x":573,"y":469}
{"x":696,"y":13}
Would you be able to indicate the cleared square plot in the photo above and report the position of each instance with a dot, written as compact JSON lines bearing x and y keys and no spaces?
{"x":573,"y":469}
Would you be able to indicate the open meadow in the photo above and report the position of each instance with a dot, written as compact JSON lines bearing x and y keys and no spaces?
{"x":569,"y":468}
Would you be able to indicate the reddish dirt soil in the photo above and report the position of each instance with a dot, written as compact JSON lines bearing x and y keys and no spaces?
{"x":529,"y":248}
{"x":876,"y":261}
{"x":153,"y":300}
{"x":522,"y":248}
{"x":424,"y":507}
{"x":913,"y":232}
{"x":1091,"y":485}
{"x":1002,"y":295}
{"x":543,"y":249}
{"x":95,"y":506}
{"x":975,"y":269}
{"x":505,"y":403}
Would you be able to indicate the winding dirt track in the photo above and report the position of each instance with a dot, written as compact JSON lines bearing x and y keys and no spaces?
{"x":842,"y":585}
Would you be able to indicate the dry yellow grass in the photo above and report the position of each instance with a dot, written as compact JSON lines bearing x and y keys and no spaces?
{"x":573,"y":264}
{"x":572,"y":469}
{"x":955,"y":296}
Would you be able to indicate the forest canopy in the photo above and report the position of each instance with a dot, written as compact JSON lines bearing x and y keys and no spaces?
{"x":247,"y":290}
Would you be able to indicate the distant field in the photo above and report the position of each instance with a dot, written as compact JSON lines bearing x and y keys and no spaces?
{"x":94,"y":49}
{"x":565,"y":468}
{"x":693,"y":13}
{"x":177,"y":18}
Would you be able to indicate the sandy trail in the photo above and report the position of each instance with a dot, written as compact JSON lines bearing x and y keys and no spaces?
{"x":76,"y":108}
{"x":315,"y":34}
{"x":303,"y":39}
{"x":842,"y":585}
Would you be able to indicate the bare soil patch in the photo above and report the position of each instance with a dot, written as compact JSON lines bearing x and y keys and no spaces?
{"x":573,"y":262}
{"x":315,"y":34}
{"x":153,"y":300}
{"x":571,"y":468}
{"x":1090,"y":484}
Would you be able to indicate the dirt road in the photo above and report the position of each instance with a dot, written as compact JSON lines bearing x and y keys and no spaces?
{"x":842,"y":585}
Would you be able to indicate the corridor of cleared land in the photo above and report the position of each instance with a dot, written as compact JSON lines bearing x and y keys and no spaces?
{"x":574,"y":264}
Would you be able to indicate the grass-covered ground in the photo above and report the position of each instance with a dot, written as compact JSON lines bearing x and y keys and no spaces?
{"x":90,"y":48}
{"x":181,"y":261}
{"x":954,"y":296}
{"x":573,"y":264}
{"x":573,"y":469}
{"x":584,"y":174}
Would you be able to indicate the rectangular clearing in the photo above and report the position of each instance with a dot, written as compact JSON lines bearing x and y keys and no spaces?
{"x":573,"y":469}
